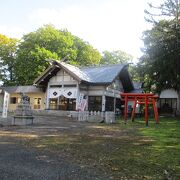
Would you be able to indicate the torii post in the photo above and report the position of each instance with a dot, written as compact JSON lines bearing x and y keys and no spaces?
{"x":142,"y":98}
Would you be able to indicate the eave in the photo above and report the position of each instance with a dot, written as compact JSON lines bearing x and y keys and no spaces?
{"x":43,"y":79}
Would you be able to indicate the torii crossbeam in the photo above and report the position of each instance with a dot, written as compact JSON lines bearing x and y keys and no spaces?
{"x":143,"y":98}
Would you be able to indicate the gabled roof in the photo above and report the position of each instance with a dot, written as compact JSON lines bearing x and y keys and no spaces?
{"x":138,"y":87}
{"x":76,"y":72}
{"x":95,"y":74}
{"x":21,"y":89}
{"x":103,"y":74}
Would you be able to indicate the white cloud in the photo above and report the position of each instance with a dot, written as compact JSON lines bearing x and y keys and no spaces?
{"x":13,"y":32}
{"x":109,"y":27}
{"x":106,"y":24}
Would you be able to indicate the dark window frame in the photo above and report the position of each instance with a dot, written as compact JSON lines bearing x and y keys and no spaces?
{"x":95,"y":103}
{"x":70,"y":85}
{"x":13,"y":100}
{"x":55,"y":86}
{"x":109,"y":106}
{"x":166,"y":105}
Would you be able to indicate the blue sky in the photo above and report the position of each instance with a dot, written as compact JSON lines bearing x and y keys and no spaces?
{"x":105,"y":24}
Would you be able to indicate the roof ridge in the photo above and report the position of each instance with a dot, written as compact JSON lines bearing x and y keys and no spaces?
{"x":69,"y":66}
{"x":18,"y":86}
{"x":104,"y":65}
{"x":93,"y":66}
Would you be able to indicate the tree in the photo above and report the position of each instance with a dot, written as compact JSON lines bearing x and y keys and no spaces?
{"x":8,"y":48}
{"x":86,"y":54}
{"x":169,"y":8}
{"x":50,"y":43}
{"x":35,"y":47}
{"x":161,"y":59}
{"x":116,"y":57}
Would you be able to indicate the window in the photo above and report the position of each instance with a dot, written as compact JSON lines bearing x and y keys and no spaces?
{"x":70,"y":85}
{"x":109,"y":104}
{"x":55,"y":86}
{"x":95,"y":103}
{"x":62,"y":103}
{"x":53,"y":103}
{"x":168,"y":105}
{"x":13,"y":100}
{"x":67,"y":104}
{"x":37,"y":103}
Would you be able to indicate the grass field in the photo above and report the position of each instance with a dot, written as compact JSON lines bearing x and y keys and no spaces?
{"x":123,"y":151}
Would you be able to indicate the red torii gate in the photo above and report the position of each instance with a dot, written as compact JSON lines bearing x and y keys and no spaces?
{"x":143,"y":98}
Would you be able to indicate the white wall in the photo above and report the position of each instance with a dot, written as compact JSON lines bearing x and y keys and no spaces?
{"x":62,"y":79}
{"x":169,"y":93}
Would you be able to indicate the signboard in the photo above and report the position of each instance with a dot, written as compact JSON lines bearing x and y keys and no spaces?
{"x":5,"y":104}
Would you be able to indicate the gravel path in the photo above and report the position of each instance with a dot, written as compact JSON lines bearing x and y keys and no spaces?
{"x":18,"y":162}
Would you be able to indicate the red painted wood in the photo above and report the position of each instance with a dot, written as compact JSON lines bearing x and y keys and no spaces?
{"x":155,"y":112}
{"x":143,"y":98}
{"x":134,"y":109}
{"x":146,"y":110}
{"x":126,"y":109}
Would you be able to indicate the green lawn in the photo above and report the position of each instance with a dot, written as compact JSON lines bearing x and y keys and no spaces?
{"x":131,"y":151}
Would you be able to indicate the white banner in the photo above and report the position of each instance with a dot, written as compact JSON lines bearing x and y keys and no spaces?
{"x":82,"y":102}
{"x":5,"y":104}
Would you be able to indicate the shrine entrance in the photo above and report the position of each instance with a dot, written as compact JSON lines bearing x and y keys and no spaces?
{"x":67,"y":104}
{"x":145,"y":98}
{"x":62,"y":103}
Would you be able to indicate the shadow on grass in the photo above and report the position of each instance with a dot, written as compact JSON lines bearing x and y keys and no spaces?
{"x":123,"y":151}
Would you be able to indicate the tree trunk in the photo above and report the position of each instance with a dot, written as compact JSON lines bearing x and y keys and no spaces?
{"x":178,"y":103}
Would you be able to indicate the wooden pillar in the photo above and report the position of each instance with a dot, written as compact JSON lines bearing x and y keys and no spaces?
{"x":114,"y":104}
{"x":77,"y":96}
{"x":146,"y":110}
{"x":47,"y":97}
{"x":125,"y":108}
{"x":155,"y":111}
{"x":134,"y":109}
{"x":103,"y":103}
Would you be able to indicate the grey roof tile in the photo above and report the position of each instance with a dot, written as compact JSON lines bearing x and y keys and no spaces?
{"x":23,"y":89}
{"x":103,"y":74}
{"x":96,"y":74}
{"x":77,"y":71}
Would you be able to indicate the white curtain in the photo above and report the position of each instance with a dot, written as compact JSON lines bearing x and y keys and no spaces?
{"x":66,"y":92}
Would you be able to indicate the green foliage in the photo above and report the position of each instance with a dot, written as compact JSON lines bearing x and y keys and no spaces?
{"x":160,"y":64}
{"x":35,"y":47}
{"x":24,"y":60}
{"x":135,"y":73}
{"x":8,"y":48}
{"x":28,"y":60}
{"x":86,"y":54}
{"x":120,"y":57}
{"x":116,"y":57}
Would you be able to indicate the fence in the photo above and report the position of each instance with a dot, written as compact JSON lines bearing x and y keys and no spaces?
{"x":95,"y":116}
